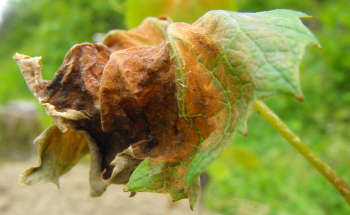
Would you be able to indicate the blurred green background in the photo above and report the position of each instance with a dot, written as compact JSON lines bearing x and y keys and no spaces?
{"x":258,"y":174}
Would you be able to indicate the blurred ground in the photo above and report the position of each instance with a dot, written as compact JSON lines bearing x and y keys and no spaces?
{"x":73,"y":196}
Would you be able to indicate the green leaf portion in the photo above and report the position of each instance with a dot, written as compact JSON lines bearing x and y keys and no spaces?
{"x":205,"y":157}
{"x":58,"y":153}
{"x":159,"y":176}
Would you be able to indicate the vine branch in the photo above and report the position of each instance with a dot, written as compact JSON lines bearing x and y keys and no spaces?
{"x":303,"y":149}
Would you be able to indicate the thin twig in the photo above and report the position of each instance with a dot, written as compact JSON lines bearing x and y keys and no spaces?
{"x":301,"y":147}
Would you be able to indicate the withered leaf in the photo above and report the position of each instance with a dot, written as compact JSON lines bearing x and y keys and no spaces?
{"x":138,"y":94}
{"x":157,"y":106}
{"x":71,"y":99}
{"x":58,"y":153}
{"x":223,"y":63}
{"x":151,"y":32}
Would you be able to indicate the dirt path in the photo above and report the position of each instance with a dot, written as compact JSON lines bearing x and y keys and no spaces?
{"x":73,"y":197}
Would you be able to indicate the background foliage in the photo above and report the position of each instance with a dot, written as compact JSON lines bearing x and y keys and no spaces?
{"x":258,"y":173}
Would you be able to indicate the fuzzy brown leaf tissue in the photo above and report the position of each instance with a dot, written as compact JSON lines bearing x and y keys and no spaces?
{"x":155,"y":105}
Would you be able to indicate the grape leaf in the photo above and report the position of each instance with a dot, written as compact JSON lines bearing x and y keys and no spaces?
{"x":248,"y":56}
{"x":223,"y":63}
{"x":156,"y":111}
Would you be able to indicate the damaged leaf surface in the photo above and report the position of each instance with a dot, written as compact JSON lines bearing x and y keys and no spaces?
{"x":223,"y":63}
{"x":71,"y":99}
{"x":151,"y":32}
{"x":158,"y":103}
{"x":58,"y":153}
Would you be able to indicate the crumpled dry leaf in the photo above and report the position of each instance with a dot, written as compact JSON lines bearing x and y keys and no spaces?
{"x":71,"y":99}
{"x":166,"y":103}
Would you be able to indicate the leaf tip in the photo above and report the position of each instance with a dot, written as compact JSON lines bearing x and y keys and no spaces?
{"x":300,"y":97}
{"x":57,"y":184}
{"x":319,"y":47}
{"x":22,"y":182}
{"x":307,"y":17}
{"x":18,"y":56}
{"x":132,"y":194}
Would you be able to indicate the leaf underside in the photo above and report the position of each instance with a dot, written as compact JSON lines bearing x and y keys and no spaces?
{"x":160,"y":102}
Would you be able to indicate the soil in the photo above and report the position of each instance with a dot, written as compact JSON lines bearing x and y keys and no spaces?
{"x":73,"y":196}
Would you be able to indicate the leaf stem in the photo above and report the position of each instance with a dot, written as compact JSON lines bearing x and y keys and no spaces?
{"x":299,"y":145}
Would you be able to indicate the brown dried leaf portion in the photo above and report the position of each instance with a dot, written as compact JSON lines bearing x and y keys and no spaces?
{"x":202,"y":97}
{"x":138,"y":95}
{"x":151,"y":32}
{"x":111,"y":162}
{"x":58,"y":153}
{"x":109,"y":145}
{"x":76,"y":84}
{"x":72,"y":97}
{"x":124,"y":164}
{"x":31,"y":71}
{"x":72,"y":101}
